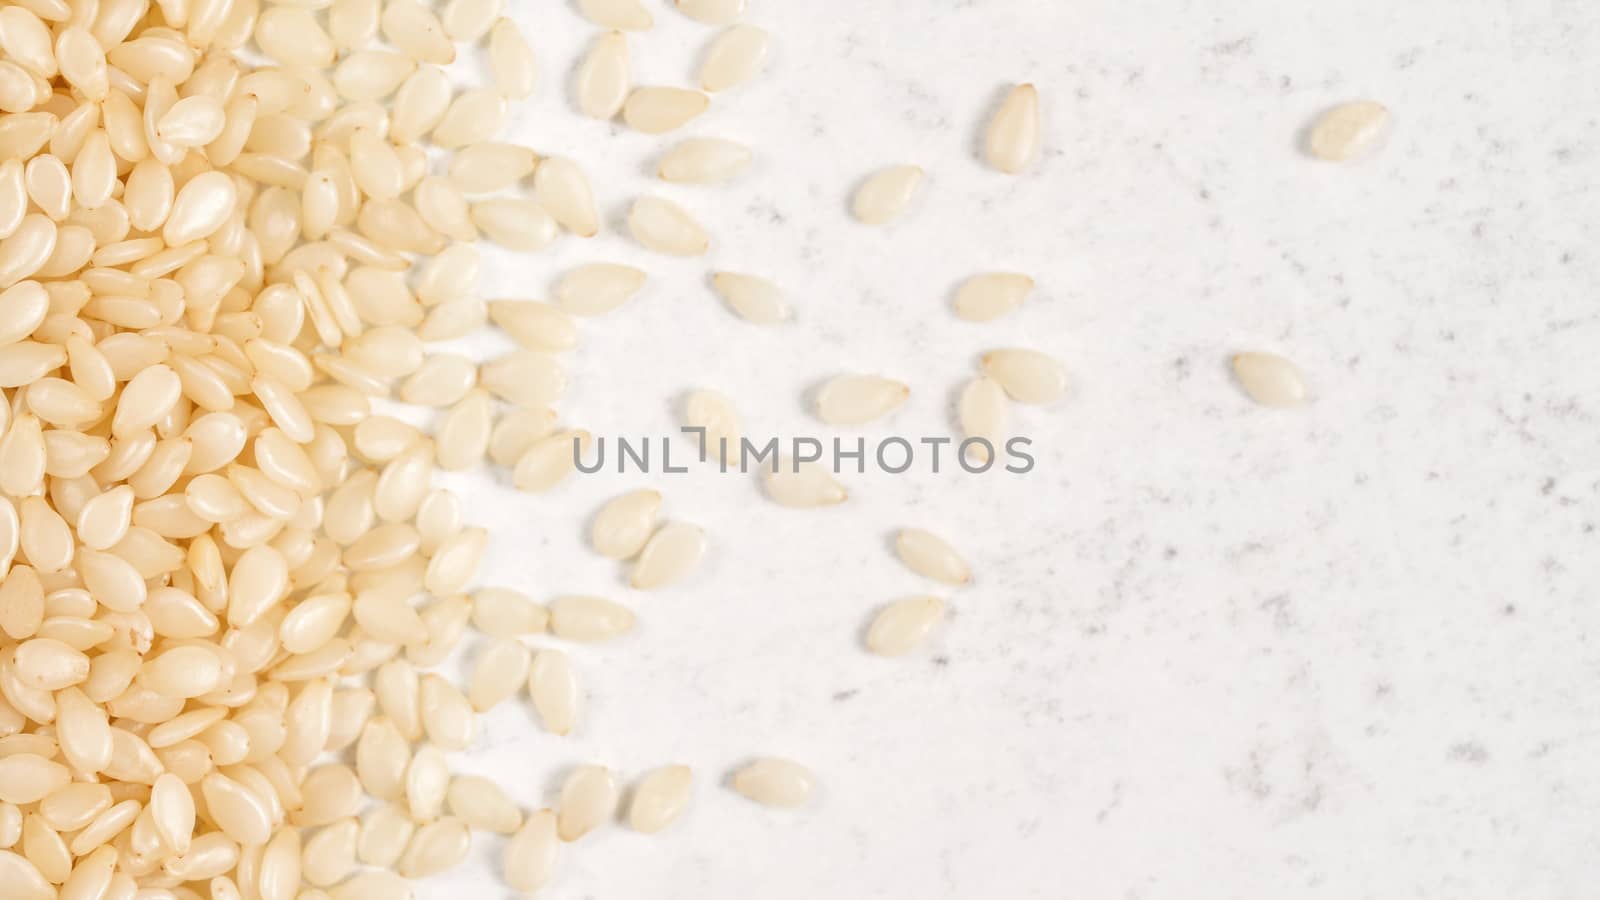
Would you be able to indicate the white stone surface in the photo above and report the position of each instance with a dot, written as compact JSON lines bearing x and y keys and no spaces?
{"x":1211,"y":650}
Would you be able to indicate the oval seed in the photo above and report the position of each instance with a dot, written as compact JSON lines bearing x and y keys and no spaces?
{"x":530,"y":855}
{"x":991,"y":295}
{"x":983,"y":413}
{"x":712,"y":12}
{"x":384,"y":834}
{"x":755,"y":299}
{"x":446,"y":714}
{"x":660,"y":798}
{"x":628,"y":15}
{"x":588,"y":800}
{"x":598,"y":288}
{"x":1028,"y":376}
{"x":704,"y":161}
{"x":563,"y":190}
{"x":1012,"y":140}
{"x":506,"y":612}
{"x":715,"y":414}
{"x":515,"y":223}
{"x":858,"y":399}
{"x":668,"y":557}
{"x":499,"y":674}
{"x":582,"y":618}
{"x":775,"y":782}
{"x":1269,"y":379}
{"x":373,"y":884}
{"x":535,"y":325}
{"x":1348,"y":130}
{"x":604,"y":77}
{"x":554,"y":690}
{"x":902,"y":626}
{"x":658,"y":110}
{"x":735,"y":57}
{"x":436,"y":847}
{"x":665,"y":227}
{"x":624,"y":524}
{"x":886,"y":193}
{"x":929,"y":555}
{"x":329,"y":856}
{"x":511,"y":60}
{"x":421,"y":782}
{"x":482,"y":804}
{"x":804,"y":485}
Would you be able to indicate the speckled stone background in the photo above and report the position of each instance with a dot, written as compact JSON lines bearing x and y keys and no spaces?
{"x":1212,"y":650}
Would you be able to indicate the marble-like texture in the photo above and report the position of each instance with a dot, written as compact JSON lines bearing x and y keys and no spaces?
{"x":1211,"y":650}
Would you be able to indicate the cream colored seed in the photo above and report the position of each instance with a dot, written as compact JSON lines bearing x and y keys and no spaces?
{"x":704,"y":161}
{"x":598,"y":288}
{"x":931,"y":556}
{"x":755,"y":299}
{"x":563,"y":190}
{"x":511,"y":60}
{"x":1269,"y":379}
{"x":427,"y":780}
{"x":371,"y":74}
{"x":858,"y":399}
{"x":515,"y":223}
{"x":467,"y":21}
{"x":886,"y":193}
{"x":530,"y":855}
{"x":804,"y":485}
{"x":482,"y":804}
{"x":904,"y":625}
{"x":735,"y":57}
{"x":490,"y":166}
{"x":588,"y":800}
{"x":670,"y":555}
{"x":658,"y":110}
{"x":665,"y":227}
{"x":436,"y":847}
{"x":1028,"y":376}
{"x":983,"y":413}
{"x":517,"y":431}
{"x":416,"y":31}
{"x":624,"y":524}
{"x":714,"y":413}
{"x":991,"y":295}
{"x":1348,"y":130}
{"x":499,"y":674}
{"x":582,"y":618}
{"x":712,"y":12}
{"x":628,"y":15}
{"x":474,"y":116}
{"x":503,"y":611}
{"x":372,"y":885}
{"x":660,"y":798}
{"x":775,"y":782}
{"x":1012,"y":140}
{"x":554,"y":690}
{"x":534,"y":325}
{"x":420,"y":104}
{"x":604,"y":77}
{"x":384,"y":834}
{"x":329,"y":856}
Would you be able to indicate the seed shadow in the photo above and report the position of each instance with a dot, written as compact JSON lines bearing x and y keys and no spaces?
{"x":952,"y":404}
{"x":991,"y":106}
{"x":808,"y":398}
{"x":864,"y":630}
{"x":616,"y":221}
{"x":1302,"y":135}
